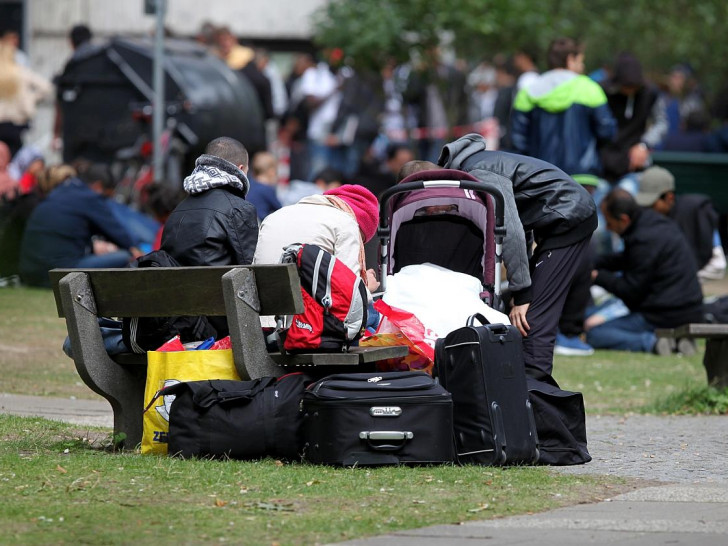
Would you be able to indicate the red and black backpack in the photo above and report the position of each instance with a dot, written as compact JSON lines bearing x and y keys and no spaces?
{"x":334,"y":299}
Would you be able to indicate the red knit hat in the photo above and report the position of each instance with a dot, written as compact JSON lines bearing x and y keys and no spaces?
{"x":364,"y":204}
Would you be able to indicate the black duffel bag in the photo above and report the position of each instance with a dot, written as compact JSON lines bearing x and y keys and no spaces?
{"x":237,"y":419}
{"x":560,"y":423}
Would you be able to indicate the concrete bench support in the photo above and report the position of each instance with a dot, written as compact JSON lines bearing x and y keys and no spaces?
{"x":715,"y":359}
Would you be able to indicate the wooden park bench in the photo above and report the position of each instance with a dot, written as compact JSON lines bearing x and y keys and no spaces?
{"x":242,"y":293}
{"x":715,"y":359}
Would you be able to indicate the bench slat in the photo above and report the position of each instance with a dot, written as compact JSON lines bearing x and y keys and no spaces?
{"x":356,"y":356}
{"x":695,"y":330}
{"x":171,"y":291}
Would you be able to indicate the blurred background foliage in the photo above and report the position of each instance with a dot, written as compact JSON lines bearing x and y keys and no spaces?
{"x":660,"y":33}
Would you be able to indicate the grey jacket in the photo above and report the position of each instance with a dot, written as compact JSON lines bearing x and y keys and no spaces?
{"x":538,"y":197}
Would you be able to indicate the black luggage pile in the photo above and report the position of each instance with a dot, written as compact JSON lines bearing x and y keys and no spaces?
{"x":478,"y":409}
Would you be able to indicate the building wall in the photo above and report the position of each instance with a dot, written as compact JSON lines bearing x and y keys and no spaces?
{"x":50,"y":20}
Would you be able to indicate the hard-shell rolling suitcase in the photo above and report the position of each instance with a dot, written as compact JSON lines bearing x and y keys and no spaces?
{"x":377,"y":419}
{"x":482,"y":366}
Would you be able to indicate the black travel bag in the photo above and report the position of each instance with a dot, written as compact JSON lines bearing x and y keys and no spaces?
{"x":237,"y":419}
{"x":377,"y":419}
{"x":560,"y":421}
{"x":482,"y":366}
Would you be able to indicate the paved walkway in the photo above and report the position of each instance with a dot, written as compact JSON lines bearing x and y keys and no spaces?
{"x":71,"y":410}
{"x":688,"y":454}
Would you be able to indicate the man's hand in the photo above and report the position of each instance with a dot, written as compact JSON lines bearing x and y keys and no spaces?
{"x":101,"y":247}
{"x":372,"y":282}
{"x":135,"y":252}
{"x":518,"y":318}
{"x":638,"y":156}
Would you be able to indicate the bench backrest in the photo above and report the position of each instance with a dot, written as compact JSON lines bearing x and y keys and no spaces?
{"x":177,"y":291}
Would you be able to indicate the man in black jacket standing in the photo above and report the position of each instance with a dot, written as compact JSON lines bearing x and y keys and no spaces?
{"x":214,"y":225}
{"x":657,"y":281}
{"x":544,"y":200}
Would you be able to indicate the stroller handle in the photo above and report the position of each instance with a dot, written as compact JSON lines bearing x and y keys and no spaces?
{"x":407,"y":187}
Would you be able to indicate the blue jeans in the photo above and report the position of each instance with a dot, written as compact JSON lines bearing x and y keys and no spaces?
{"x":110,"y":334}
{"x":373,"y":317}
{"x":142,"y":228}
{"x":430,"y":148}
{"x":347,"y":158}
{"x":629,"y":333}
{"x":320,"y":157}
{"x":120,"y":258}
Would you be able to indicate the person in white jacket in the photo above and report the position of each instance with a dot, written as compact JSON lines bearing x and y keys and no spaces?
{"x":340,"y":221}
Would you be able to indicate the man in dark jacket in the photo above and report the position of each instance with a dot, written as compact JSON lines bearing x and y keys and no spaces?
{"x":544,"y":200}
{"x":214,"y":225}
{"x":60,"y":232}
{"x":641,"y":119}
{"x":658,"y":280}
{"x":562,"y":116}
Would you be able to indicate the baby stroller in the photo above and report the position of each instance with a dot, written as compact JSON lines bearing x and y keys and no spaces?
{"x":448,"y":218}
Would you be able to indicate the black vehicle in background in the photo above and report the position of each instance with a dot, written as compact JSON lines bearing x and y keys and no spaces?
{"x":105,"y":96}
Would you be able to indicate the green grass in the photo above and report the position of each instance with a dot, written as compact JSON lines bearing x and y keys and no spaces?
{"x":31,"y":336}
{"x":57,"y":488}
{"x":621,"y":382}
{"x":699,"y":399}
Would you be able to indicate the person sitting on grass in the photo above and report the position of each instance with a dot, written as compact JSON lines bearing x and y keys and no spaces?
{"x":61,"y":229}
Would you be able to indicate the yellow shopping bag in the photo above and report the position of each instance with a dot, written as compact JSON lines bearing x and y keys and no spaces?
{"x":168,"y":368}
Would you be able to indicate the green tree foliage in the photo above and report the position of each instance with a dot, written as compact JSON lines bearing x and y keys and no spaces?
{"x":660,"y":33}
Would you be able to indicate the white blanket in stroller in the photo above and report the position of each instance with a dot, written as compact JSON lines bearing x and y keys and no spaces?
{"x":442,"y":299}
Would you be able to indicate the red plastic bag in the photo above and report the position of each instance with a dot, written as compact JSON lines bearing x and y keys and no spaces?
{"x":400,"y":327}
{"x":172,"y":345}
{"x":223,"y":343}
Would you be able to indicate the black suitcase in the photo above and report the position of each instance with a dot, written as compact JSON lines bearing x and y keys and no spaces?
{"x":377,"y":419}
{"x":482,"y":366}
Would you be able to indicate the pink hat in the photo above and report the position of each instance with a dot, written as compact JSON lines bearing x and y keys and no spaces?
{"x":364,"y":204}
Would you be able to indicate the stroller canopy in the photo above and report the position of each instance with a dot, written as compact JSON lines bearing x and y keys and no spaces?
{"x":450,"y":227}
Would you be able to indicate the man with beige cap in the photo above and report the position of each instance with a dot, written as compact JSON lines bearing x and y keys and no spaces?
{"x":654,"y":276}
{"x":695,"y":215}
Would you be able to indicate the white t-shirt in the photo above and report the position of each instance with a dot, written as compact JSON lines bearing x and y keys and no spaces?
{"x":319,"y":82}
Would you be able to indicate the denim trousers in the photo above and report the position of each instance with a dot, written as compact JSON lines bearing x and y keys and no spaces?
{"x":628,"y":333}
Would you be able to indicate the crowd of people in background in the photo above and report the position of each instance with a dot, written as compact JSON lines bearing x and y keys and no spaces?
{"x":331,"y":124}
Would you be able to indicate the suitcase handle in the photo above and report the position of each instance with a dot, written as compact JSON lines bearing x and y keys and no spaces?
{"x":495,"y":329}
{"x":471,"y":320}
{"x":375,"y":437}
